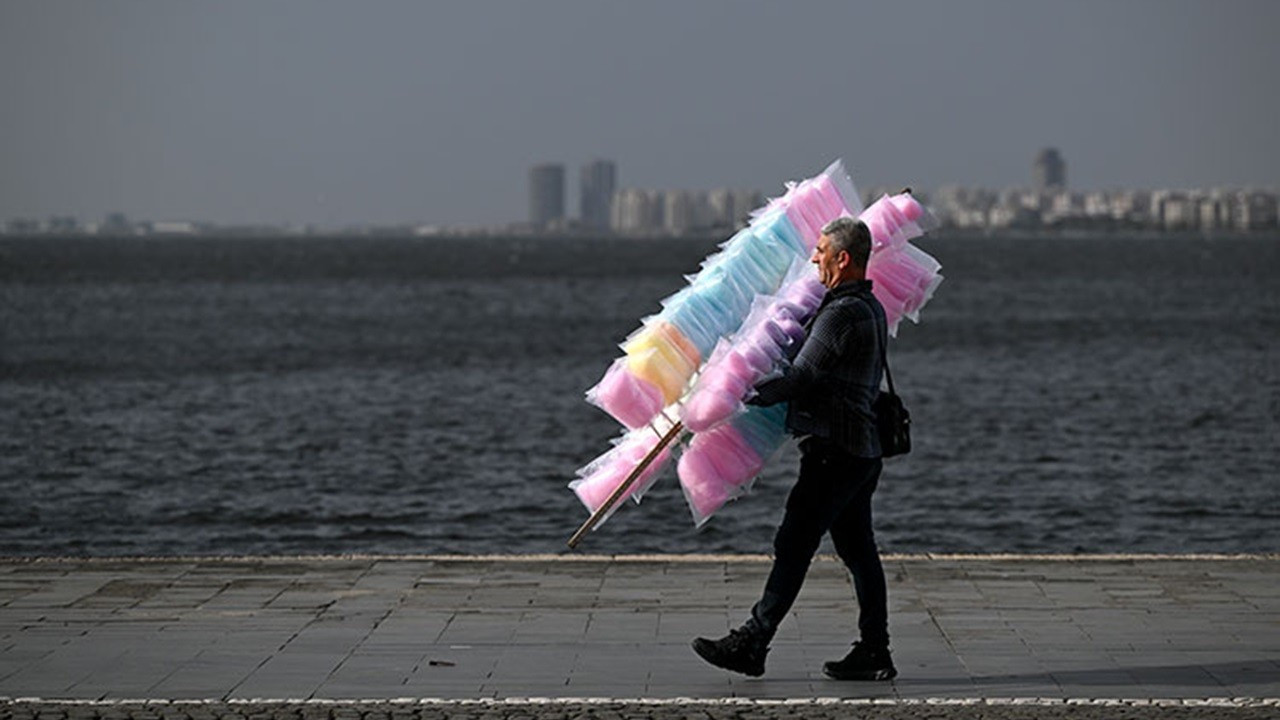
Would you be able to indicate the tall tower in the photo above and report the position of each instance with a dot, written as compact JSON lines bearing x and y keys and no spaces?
{"x":1049,"y":170}
{"x":546,"y":194}
{"x":597,"y":180}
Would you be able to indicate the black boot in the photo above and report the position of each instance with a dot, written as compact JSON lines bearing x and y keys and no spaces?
{"x":741,"y":651}
{"x":862,"y":663}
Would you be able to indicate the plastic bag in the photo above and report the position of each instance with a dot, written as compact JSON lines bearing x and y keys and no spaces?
{"x":598,"y":480}
{"x":722,"y":463}
{"x":631,"y":401}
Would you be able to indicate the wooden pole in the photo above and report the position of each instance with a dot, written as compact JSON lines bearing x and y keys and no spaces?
{"x":625,"y":485}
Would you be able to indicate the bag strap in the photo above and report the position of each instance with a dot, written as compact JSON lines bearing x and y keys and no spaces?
{"x":884,"y":346}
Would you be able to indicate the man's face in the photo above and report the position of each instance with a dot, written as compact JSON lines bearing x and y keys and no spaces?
{"x":831,"y":263}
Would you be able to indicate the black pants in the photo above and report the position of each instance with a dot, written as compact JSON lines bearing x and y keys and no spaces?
{"x":832,"y":494}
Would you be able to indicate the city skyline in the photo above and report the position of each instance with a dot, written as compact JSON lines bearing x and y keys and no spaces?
{"x":334,"y":114}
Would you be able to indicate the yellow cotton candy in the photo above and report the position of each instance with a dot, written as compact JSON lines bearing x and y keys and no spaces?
{"x":650,"y":365}
{"x":662,"y":355}
{"x":668,"y":340}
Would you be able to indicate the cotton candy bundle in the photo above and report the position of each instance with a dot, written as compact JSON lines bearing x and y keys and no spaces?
{"x":602,"y":476}
{"x":663,"y":355}
{"x":732,"y":441}
{"x":903,"y":276}
{"x":812,"y":203}
{"x":718,"y":465}
{"x":739,"y":321}
{"x":739,"y":363}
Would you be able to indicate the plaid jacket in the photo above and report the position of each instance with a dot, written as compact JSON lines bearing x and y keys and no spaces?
{"x":834,"y":378}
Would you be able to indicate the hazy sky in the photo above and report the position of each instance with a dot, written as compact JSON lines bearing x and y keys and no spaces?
{"x":344,"y":112}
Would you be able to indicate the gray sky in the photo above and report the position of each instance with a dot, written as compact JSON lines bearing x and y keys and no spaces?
{"x":344,"y":112}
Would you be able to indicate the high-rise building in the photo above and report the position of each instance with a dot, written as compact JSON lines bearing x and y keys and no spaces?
{"x":638,"y":211}
{"x":731,"y":208}
{"x":597,"y":181}
{"x":546,"y":194}
{"x":1049,"y":170}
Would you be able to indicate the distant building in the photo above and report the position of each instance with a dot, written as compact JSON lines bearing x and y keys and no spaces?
{"x":597,"y":181}
{"x":732,"y":208}
{"x":1176,"y":209}
{"x":63,"y":225}
{"x":117,"y":223}
{"x":546,"y":195}
{"x":637,"y":211}
{"x":1256,"y":211}
{"x":685,"y":211}
{"x":176,"y":227}
{"x":22,"y":226}
{"x":1049,"y":171}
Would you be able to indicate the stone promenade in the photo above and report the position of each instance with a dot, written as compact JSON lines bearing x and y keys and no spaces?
{"x":410,"y":638}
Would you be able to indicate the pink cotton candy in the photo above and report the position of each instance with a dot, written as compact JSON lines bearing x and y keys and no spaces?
{"x":806,"y":293}
{"x":703,"y":487}
{"x":595,"y":488}
{"x":736,"y":364}
{"x":908,"y":206}
{"x":758,"y":359}
{"x":881,"y":235}
{"x":906,"y":272}
{"x":760,"y":339}
{"x":892,"y":213}
{"x":708,"y":407}
{"x":819,"y":203}
{"x":629,"y":399}
{"x":809,"y":206}
{"x":610,"y":470}
{"x":635,"y":447}
{"x":732,"y":456}
{"x":592,"y":494}
{"x":720,"y":378}
{"x":830,"y":196}
{"x":808,"y":233}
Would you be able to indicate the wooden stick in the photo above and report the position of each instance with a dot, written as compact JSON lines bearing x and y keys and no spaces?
{"x":622,"y":488}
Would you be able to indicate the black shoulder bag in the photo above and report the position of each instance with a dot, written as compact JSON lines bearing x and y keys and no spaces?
{"x":893,"y":422}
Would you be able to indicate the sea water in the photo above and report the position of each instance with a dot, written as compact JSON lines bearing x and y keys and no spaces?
{"x":424,"y":395}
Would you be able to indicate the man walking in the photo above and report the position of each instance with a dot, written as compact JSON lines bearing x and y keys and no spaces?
{"x":830,"y":386}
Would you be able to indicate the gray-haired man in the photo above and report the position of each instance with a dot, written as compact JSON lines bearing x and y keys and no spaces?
{"x":830,"y":386}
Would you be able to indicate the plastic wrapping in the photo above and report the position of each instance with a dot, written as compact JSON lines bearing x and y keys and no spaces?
{"x":631,"y":401}
{"x":842,"y":183}
{"x":752,"y":355}
{"x":889,"y":226}
{"x":714,"y":469}
{"x":777,"y":226}
{"x":720,"y":464}
{"x":764,"y":428}
{"x":695,"y":321}
{"x":736,"y":324}
{"x":903,"y":276}
{"x":915,"y":212}
{"x":661,"y":355}
{"x":601,"y":477}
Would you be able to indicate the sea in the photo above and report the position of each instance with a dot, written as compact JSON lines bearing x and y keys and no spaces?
{"x":321,"y":395}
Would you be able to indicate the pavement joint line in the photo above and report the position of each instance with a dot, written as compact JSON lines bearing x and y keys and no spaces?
{"x":640,"y":558}
{"x":1205,"y":702}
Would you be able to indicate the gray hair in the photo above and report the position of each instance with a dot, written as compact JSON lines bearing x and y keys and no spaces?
{"x":850,"y":235}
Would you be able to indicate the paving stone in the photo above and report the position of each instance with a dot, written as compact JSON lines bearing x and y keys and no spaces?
{"x":572,"y":626}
